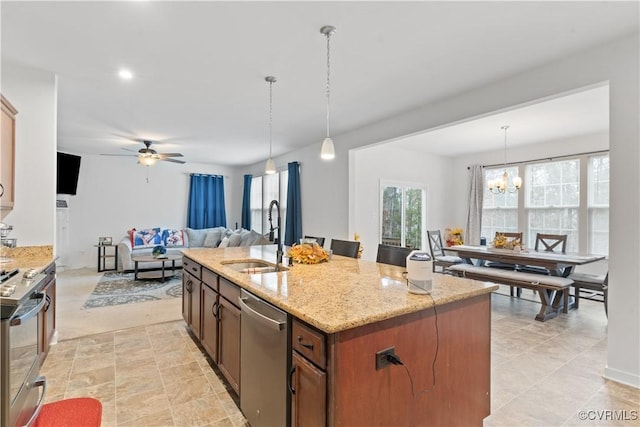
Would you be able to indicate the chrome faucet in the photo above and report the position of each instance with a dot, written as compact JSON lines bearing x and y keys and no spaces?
{"x":279,"y":252}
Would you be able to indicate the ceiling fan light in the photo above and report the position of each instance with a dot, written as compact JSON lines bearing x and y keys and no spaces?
{"x":147,"y":159}
{"x":327,"y":151}
{"x":270,"y":169}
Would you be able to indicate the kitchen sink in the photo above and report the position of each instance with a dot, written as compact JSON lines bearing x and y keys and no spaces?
{"x":253,"y":266}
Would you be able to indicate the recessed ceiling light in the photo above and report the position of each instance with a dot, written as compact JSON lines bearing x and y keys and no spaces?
{"x":125,"y":74}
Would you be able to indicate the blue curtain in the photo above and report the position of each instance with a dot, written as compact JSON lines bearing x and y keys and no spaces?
{"x":206,"y":202}
{"x":293,"y":231}
{"x":246,"y":203}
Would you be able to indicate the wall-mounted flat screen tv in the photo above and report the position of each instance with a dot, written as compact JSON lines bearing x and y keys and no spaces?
{"x":68,"y":171}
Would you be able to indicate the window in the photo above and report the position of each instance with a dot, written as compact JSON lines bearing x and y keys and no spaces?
{"x":499,"y":211}
{"x":264,"y":189}
{"x":402,"y":217}
{"x":568,"y":196}
{"x":552,"y":200}
{"x":598,"y":203}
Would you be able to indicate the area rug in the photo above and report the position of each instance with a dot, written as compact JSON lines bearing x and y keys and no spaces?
{"x":115,"y":288}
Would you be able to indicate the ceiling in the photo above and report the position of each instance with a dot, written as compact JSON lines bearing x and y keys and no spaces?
{"x":199,"y":68}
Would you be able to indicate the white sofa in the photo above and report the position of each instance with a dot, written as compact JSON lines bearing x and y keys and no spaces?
{"x":191,"y":238}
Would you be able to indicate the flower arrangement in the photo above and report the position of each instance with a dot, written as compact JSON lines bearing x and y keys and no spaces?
{"x":158,"y":251}
{"x":308,"y":253}
{"x":454,"y":236}
{"x":502,"y":242}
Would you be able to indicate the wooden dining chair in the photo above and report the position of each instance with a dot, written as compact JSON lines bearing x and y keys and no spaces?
{"x":319,"y":240}
{"x":393,"y":255}
{"x":550,"y":242}
{"x":592,"y":287}
{"x":345,"y":248}
{"x":504,"y":265}
{"x":439,"y":257}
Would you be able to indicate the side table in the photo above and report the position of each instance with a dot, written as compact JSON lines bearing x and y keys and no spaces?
{"x":103,"y":255}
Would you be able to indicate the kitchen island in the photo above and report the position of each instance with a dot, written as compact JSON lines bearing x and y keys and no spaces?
{"x":343,"y":312}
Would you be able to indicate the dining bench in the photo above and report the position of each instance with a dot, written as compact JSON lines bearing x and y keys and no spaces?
{"x":553,"y":290}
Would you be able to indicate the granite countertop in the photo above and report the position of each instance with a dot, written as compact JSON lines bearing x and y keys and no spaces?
{"x":38,"y":257}
{"x":341,"y":294}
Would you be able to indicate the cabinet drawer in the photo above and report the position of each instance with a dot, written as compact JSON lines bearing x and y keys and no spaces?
{"x":192,"y":267}
{"x":210,"y":279}
{"x":309,"y":342}
{"x":229,"y":290}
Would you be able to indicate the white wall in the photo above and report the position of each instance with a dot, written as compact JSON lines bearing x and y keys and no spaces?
{"x":113,"y":196}
{"x":33,"y":93}
{"x":385,"y":162}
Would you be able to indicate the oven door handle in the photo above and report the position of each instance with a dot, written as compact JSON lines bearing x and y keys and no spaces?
{"x":39,"y":382}
{"x":32,"y":313}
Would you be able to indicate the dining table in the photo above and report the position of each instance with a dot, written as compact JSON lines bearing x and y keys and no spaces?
{"x":557,"y":263}
{"x":545,"y":262}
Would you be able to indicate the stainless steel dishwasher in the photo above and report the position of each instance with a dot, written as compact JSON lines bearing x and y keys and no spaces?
{"x":263,"y":362}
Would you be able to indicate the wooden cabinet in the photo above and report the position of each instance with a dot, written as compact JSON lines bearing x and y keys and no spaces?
{"x":308,"y":389}
{"x":209,"y":306}
{"x":308,"y":377}
{"x":210,"y":309}
{"x":48,"y":316}
{"x":229,"y":333}
{"x":191,"y":289}
{"x":7,"y":154}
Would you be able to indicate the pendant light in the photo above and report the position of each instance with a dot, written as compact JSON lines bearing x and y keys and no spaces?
{"x":500,"y":185}
{"x":328,"y":152}
{"x":271,"y":166}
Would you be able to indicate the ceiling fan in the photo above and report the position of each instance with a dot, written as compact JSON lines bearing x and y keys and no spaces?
{"x":148,"y":156}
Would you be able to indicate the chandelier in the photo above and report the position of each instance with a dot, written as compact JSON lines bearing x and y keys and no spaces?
{"x":501,"y":185}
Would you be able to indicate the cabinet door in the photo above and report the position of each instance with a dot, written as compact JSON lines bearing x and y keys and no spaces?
{"x":7,"y":154}
{"x":187,"y":281}
{"x":210,"y":322}
{"x":195,"y":307}
{"x":308,"y":386}
{"x":191,"y":302}
{"x":229,"y":343}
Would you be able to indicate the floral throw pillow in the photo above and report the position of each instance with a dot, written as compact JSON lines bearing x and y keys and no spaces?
{"x":172,"y":237}
{"x":149,"y":237}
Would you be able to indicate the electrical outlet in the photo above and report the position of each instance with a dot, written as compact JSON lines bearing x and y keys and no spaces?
{"x":381,"y":357}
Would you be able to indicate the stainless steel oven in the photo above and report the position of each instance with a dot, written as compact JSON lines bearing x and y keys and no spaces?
{"x":22,"y":390}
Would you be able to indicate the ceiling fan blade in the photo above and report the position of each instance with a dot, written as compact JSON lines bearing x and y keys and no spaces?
{"x":170,"y":155}
{"x":126,"y":149}
{"x":173,"y":160}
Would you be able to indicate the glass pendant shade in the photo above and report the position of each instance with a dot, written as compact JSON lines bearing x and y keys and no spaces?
{"x":270,"y":168}
{"x":327,"y":152}
{"x":147,"y":160}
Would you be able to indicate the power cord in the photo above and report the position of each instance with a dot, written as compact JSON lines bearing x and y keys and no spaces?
{"x":395,"y":359}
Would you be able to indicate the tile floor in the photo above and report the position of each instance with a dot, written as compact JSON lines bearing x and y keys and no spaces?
{"x":144,"y":376}
{"x":543,"y":373}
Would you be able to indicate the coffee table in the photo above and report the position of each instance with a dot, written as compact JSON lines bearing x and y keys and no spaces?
{"x":137,"y":259}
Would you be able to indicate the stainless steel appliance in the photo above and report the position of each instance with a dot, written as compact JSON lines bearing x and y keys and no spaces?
{"x":263,"y":362}
{"x":21,"y":301}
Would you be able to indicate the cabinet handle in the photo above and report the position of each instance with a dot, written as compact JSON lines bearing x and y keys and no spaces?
{"x":214,"y":309}
{"x":289,"y":383}
{"x":309,"y":346}
{"x":48,"y":303}
{"x":1,"y":190}
{"x":188,"y":285}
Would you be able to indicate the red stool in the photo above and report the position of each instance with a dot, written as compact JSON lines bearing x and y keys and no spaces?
{"x":76,"y":412}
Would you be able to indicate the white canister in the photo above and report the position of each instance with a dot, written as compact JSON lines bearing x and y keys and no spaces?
{"x":419,"y":272}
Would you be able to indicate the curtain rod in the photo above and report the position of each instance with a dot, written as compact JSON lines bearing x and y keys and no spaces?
{"x":544,"y":158}
{"x":205,"y":174}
